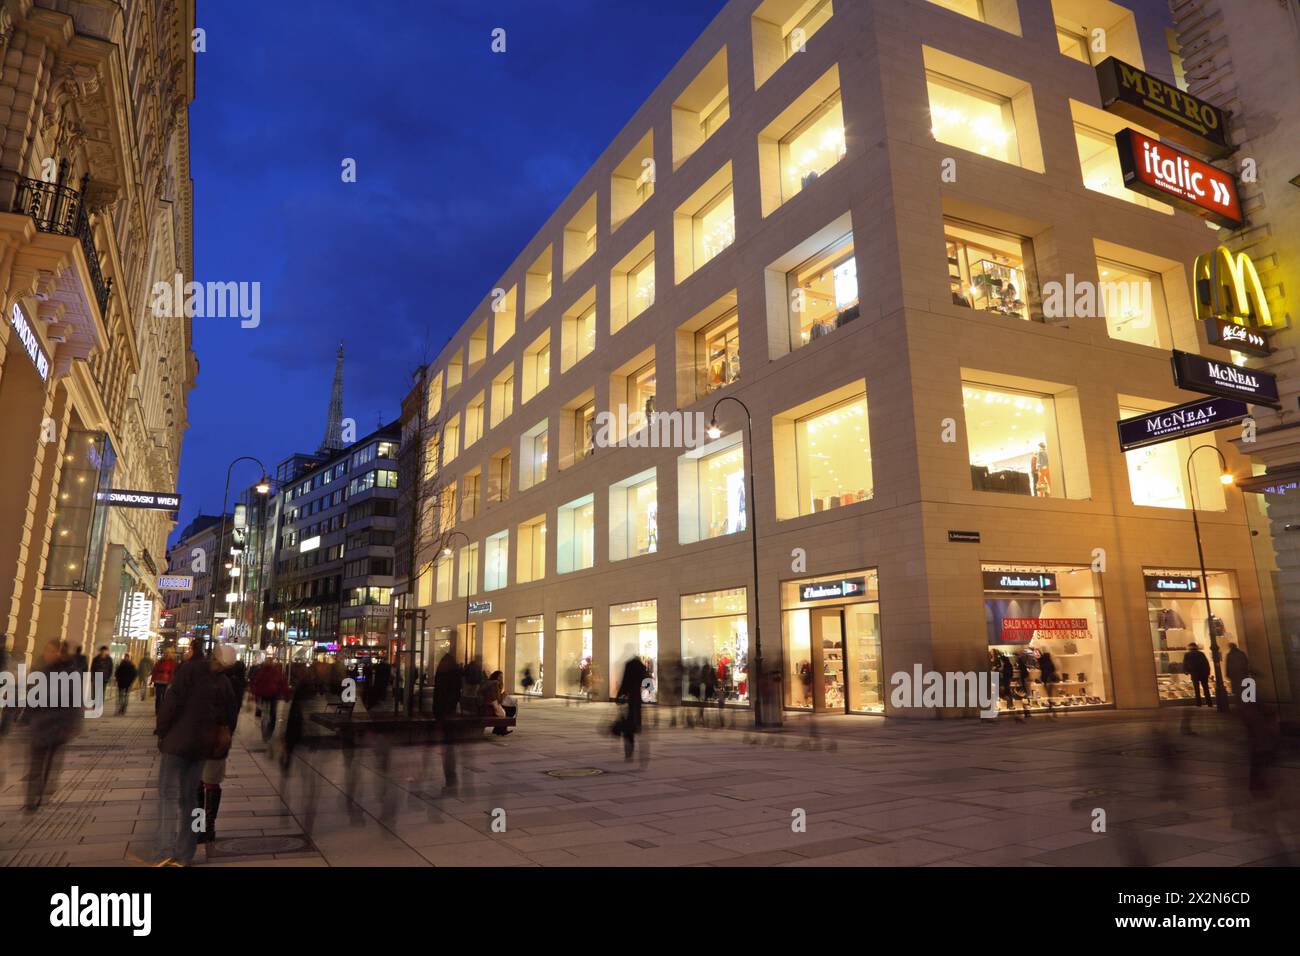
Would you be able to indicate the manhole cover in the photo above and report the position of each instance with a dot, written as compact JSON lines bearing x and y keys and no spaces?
{"x":261,"y":846}
{"x":575,"y":772}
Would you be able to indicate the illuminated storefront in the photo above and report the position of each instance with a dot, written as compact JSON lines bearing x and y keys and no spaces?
{"x":1048,"y":621}
{"x":573,"y":653}
{"x":634,"y":630}
{"x":715,"y":636}
{"x":831,"y":630}
{"x":1176,"y":610}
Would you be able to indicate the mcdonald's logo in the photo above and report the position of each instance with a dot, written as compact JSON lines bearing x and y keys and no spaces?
{"x":1227,"y":286}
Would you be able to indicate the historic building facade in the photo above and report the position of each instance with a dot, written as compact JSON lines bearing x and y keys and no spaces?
{"x":899,"y":235}
{"x":95,"y":207}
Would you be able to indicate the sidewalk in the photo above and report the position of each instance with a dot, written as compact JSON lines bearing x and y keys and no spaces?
{"x":874,"y":792}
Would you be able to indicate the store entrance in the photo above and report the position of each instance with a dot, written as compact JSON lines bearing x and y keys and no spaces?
{"x":828,"y":664}
{"x":492,"y":646}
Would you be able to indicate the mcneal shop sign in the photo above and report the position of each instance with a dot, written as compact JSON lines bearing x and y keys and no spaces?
{"x":1208,"y":376}
{"x":1168,"y":424}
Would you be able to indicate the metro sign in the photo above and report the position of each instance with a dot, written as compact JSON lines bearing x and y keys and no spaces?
{"x":1159,"y":171}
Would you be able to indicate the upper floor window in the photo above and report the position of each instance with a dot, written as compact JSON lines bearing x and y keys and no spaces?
{"x":1002,"y":14}
{"x":823,"y":292}
{"x":1133,"y":301}
{"x":782,"y":29}
{"x":979,"y":109}
{"x":701,"y":109}
{"x":988,"y":270}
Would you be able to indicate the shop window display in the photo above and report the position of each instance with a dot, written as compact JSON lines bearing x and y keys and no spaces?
{"x":634,"y":630}
{"x":634,"y":516}
{"x":833,"y":457}
{"x":1177,"y":617}
{"x":711,"y":489}
{"x":530,"y":643}
{"x":823,"y":292}
{"x":717,"y":353}
{"x":989,"y":271}
{"x":715,"y":646}
{"x":573,"y":654}
{"x":831,"y":629}
{"x":640,"y":397}
{"x":1014,"y":443}
{"x":812,"y":147}
{"x":575,"y":529}
{"x":1046,"y":634}
{"x":496,"y":561}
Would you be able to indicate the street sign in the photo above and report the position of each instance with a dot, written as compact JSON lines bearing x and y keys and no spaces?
{"x":480,"y":607}
{"x":1196,"y":373}
{"x":175,"y":582}
{"x":1180,"y":421}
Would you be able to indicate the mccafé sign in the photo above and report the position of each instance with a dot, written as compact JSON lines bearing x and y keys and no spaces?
{"x":1159,"y":171}
{"x":1159,"y":105}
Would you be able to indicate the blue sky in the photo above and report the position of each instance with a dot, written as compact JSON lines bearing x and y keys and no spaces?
{"x":461,"y":156}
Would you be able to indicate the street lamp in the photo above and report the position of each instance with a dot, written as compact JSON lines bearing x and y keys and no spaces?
{"x":263,"y":488}
{"x":1225,"y":477}
{"x":751,"y":515}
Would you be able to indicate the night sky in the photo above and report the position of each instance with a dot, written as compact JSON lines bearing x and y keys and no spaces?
{"x":461,"y":154}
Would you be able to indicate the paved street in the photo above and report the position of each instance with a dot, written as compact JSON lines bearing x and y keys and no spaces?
{"x":874,"y":793}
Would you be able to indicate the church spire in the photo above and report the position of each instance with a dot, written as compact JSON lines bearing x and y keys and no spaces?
{"x":334,"y":426}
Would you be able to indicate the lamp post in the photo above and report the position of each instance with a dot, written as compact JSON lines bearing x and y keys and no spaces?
{"x":1220,"y":696}
{"x":751,"y":515}
{"x":263,"y":488}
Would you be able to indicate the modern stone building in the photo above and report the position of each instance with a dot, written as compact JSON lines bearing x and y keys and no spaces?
{"x":898,"y":233}
{"x":1244,"y":56}
{"x":188,"y":615}
{"x":95,"y":207}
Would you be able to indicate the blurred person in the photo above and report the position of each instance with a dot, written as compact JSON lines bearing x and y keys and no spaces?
{"x":448,"y":684}
{"x":54,"y":723}
{"x":629,"y":695}
{"x":161,"y":676}
{"x":145,"y":672}
{"x":493,"y":694}
{"x":294,"y":723}
{"x":473,"y":675}
{"x":1047,"y":674}
{"x":224,"y":663}
{"x":124,"y":676}
{"x":1197,"y":666}
{"x":82,"y":662}
{"x":381,"y":678}
{"x":101,"y":675}
{"x":1237,"y":665}
{"x":268,"y":686}
{"x":526,"y":681}
{"x":191,"y":730}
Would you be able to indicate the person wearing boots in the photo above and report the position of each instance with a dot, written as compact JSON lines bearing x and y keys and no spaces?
{"x":214,"y":769}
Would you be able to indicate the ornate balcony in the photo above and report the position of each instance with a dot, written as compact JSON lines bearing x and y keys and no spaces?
{"x":58,"y":209}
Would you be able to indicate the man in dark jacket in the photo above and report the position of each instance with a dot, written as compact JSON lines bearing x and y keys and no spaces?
{"x":1197,"y":666}
{"x":629,"y":693}
{"x":101,"y":675}
{"x":447,"y":686}
{"x":1238,"y":667}
{"x":197,"y":704}
{"x":55,"y":721}
{"x":125,"y":677}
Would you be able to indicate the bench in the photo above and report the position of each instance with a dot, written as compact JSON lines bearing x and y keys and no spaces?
{"x":349,"y":725}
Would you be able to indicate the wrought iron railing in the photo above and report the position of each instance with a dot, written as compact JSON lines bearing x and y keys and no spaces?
{"x":60,"y":210}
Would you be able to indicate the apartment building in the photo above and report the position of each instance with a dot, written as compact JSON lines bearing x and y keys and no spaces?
{"x":95,"y":208}
{"x":188,"y":615}
{"x":329,"y":551}
{"x":872,"y":224}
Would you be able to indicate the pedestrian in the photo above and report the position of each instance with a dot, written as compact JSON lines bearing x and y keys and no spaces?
{"x":1047,"y":674}
{"x":1006,"y":674}
{"x":82,"y":663}
{"x":124,"y":676}
{"x":629,"y":695}
{"x":526,"y":681}
{"x":192,"y":728}
{"x":303,"y":691}
{"x":382,"y":678}
{"x":1238,"y":667}
{"x":709,"y":682}
{"x":1197,"y":666}
{"x":447,"y":685}
{"x":145,"y":672}
{"x":161,"y":676}
{"x":225,"y":662}
{"x":268,"y":686}
{"x":101,"y":675}
{"x":1022,"y":670}
{"x":54,"y":722}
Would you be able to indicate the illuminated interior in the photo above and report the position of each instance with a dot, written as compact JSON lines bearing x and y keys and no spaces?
{"x":1013,"y":441}
{"x":969,"y":118}
{"x":715,"y":634}
{"x":824,"y":292}
{"x":575,"y":535}
{"x":1133,"y":301}
{"x":634,"y":631}
{"x":986,"y":269}
{"x":530,"y":645}
{"x":812,"y":147}
{"x":573,"y":651}
{"x":634,"y":516}
{"x":1178,"y":619}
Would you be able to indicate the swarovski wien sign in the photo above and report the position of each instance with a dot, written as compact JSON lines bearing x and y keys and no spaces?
{"x":30,"y":343}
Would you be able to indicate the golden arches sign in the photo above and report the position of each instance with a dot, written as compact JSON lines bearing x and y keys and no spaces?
{"x":1227,"y":286}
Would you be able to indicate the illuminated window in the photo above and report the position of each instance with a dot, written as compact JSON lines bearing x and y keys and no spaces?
{"x":988,"y":270}
{"x":536,"y":366}
{"x":641,"y":397}
{"x":537,"y":284}
{"x":1133,"y":301}
{"x":578,"y":331}
{"x":641,"y":287}
{"x":634,"y":632}
{"x":633,"y":181}
{"x":823,"y":292}
{"x":467,"y":570}
{"x":531,"y":550}
{"x":503,"y":395}
{"x":782,"y":29}
{"x":822,"y":451}
{"x":634,"y":516}
{"x":701,"y":109}
{"x":529,"y":645}
{"x":478,"y":349}
{"x":573,"y":653}
{"x":503,"y":319}
{"x":717,"y":353}
{"x":971,"y":118}
{"x":1094,"y":137}
{"x":575,"y":547}
{"x":1157,"y":474}
{"x":499,"y":477}
{"x":470,"y":485}
{"x":632,"y":284}
{"x":711,"y":490}
{"x":715,"y":633}
{"x":474,"y":420}
{"x":451,"y":440}
{"x":532,"y":456}
{"x":1073,"y":44}
{"x":580,"y":237}
{"x":496,"y":561}
{"x":1014,"y":438}
{"x":812,"y":147}
{"x":435,"y":398}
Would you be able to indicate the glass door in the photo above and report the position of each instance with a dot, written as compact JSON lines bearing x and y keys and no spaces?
{"x":828,"y":660}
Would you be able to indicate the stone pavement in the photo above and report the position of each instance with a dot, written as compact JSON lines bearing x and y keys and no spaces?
{"x":873,"y":792}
